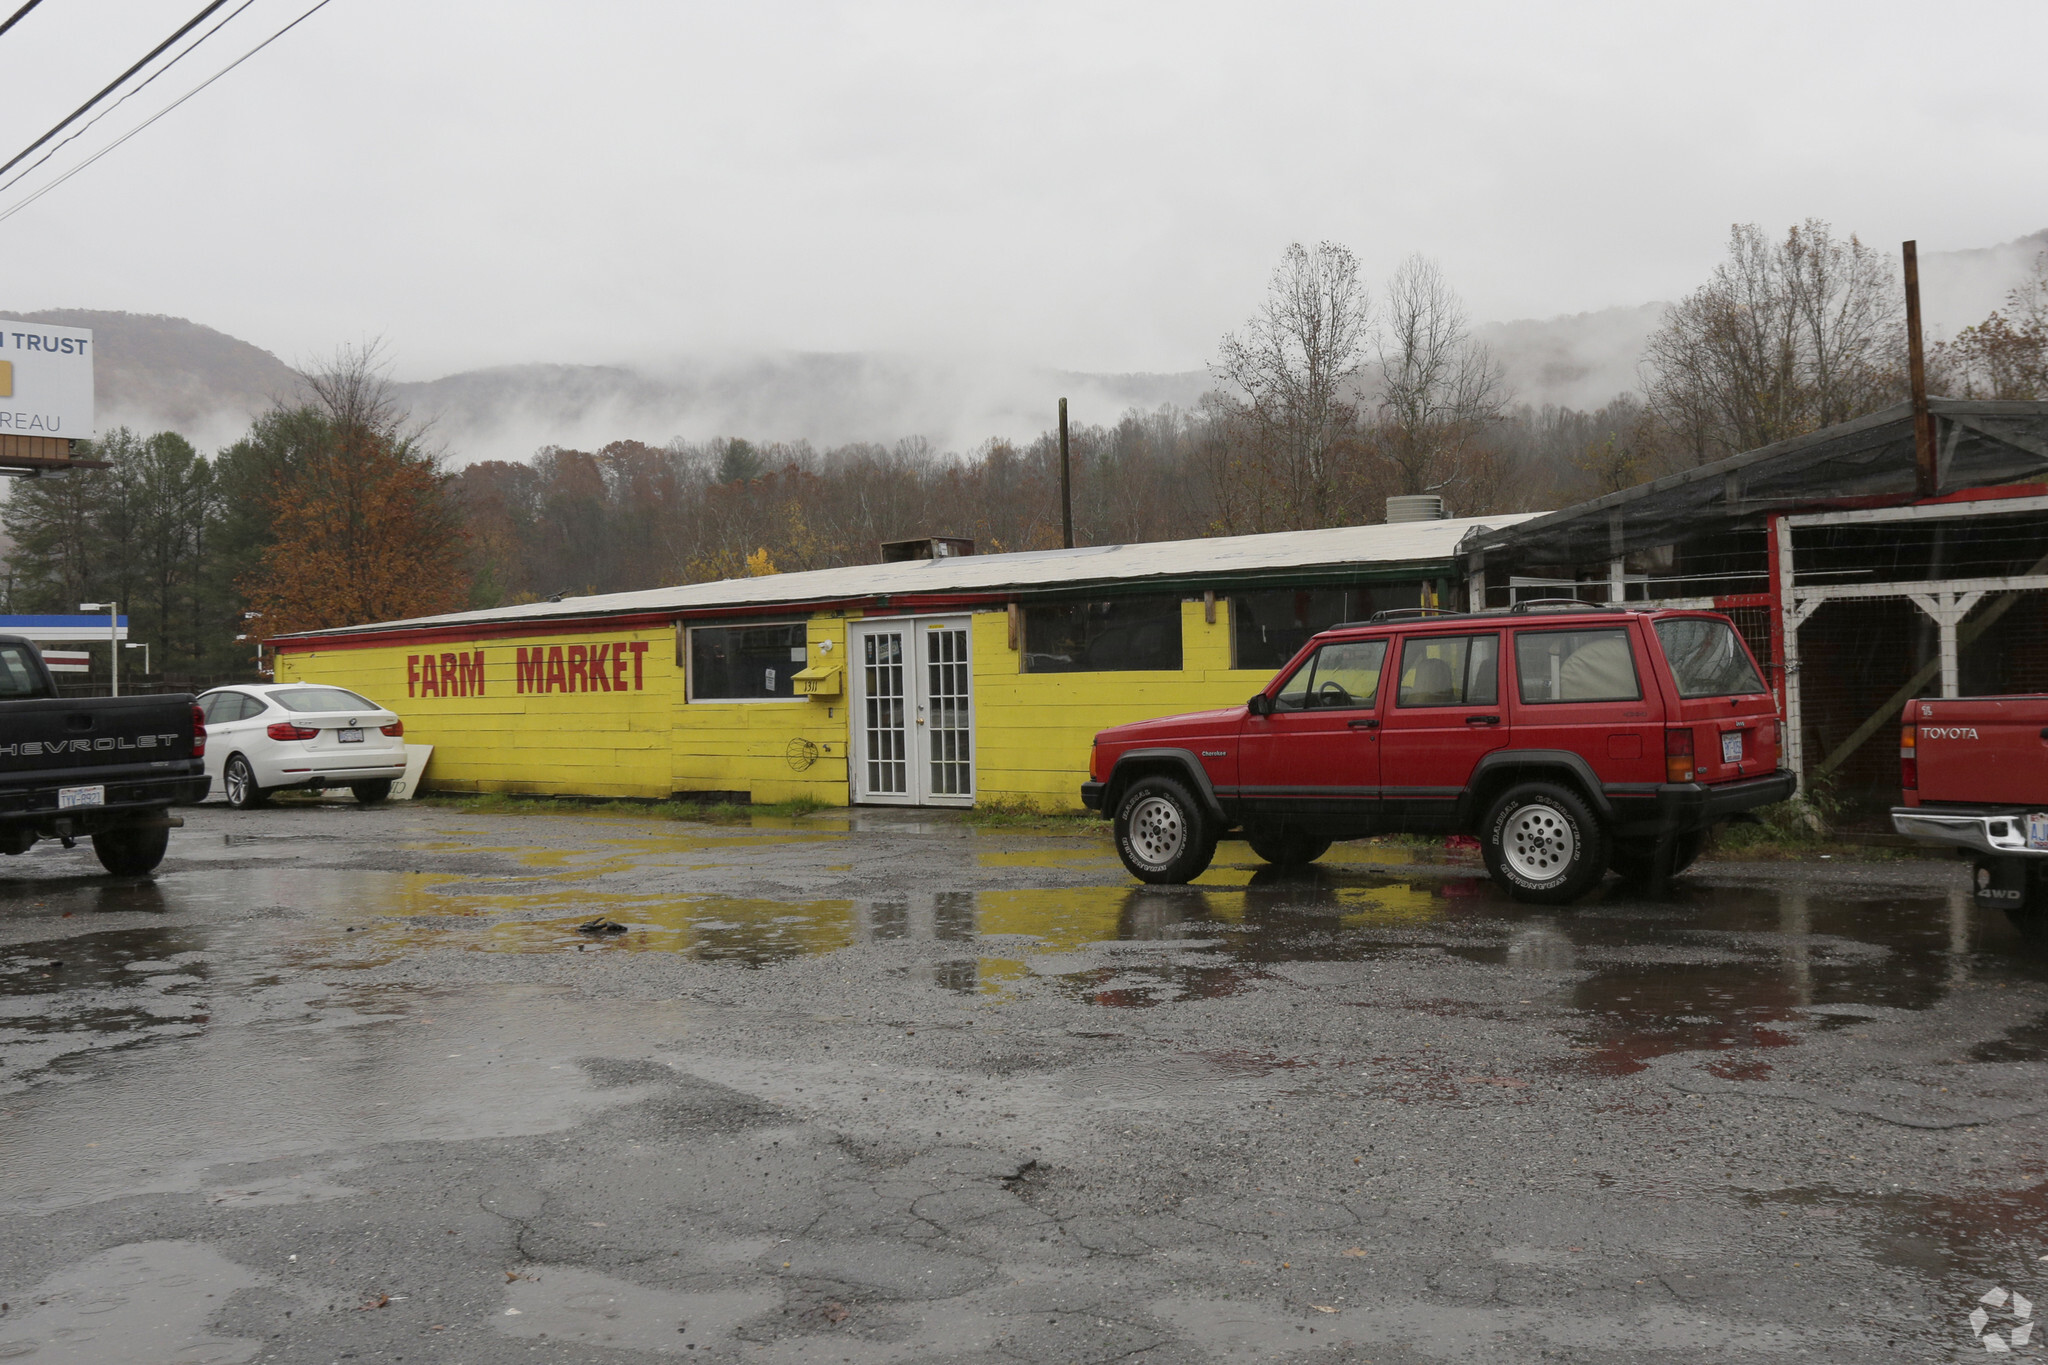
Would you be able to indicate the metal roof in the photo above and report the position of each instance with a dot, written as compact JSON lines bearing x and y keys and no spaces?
{"x":1979,"y":443}
{"x":1223,"y":560}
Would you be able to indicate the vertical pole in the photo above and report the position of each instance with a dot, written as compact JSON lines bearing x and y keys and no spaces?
{"x":1794,"y":751}
{"x":1926,"y":474}
{"x":114,"y":643}
{"x":1066,"y":484}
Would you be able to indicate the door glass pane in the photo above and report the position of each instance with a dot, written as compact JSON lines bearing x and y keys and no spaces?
{"x":1450,"y":670}
{"x":1344,"y":675}
{"x":1576,"y":665}
{"x":946,"y":711}
{"x":888,"y":763}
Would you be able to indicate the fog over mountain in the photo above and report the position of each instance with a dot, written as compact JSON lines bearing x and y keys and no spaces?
{"x":158,"y":373}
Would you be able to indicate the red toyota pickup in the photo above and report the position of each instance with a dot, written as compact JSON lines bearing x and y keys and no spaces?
{"x":1975,"y":774}
{"x":1569,"y":737}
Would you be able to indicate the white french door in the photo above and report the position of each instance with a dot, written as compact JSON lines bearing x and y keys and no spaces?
{"x":913,"y":712}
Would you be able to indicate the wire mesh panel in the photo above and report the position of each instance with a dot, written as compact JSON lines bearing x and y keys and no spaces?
{"x":948,"y":722}
{"x":888,"y":767}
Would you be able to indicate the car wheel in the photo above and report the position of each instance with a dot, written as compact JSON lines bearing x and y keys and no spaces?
{"x":1286,"y":847}
{"x":370,"y":793}
{"x":1162,"y":835}
{"x":238,"y":780}
{"x":131,"y":850}
{"x":1543,"y":845}
{"x":1633,"y":860}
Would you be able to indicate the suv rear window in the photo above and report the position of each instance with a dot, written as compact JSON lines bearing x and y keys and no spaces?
{"x":304,"y":699}
{"x":1576,"y":665}
{"x":1707,"y":658}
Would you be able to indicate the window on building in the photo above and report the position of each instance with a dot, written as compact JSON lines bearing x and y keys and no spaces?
{"x":1450,"y":670}
{"x":1269,"y":627}
{"x":1576,"y":665}
{"x":1118,"y":634}
{"x":1342,"y":675}
{"x":745,"y":663}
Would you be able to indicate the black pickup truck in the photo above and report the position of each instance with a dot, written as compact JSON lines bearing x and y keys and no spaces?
{"x":107,"y":767}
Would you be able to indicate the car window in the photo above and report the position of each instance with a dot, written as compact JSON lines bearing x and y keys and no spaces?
{"x":1576,"y":665}
{"x":1449,"y":670}
{"x":1707,"y":659}
{"x":1342,"y":675}
{"x":18,"y":676}
{"x":209,"y":706}
{"x":322,"y":699}
{"x":248,"y":706}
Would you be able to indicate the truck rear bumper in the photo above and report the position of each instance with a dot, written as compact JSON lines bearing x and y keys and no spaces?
{"x":1683,"y":807}
{"x":2002,"y":832}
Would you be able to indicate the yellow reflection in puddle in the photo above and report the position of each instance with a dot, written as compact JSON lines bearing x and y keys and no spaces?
{"x":1065,"y":918}
{"x":1051,"y":857}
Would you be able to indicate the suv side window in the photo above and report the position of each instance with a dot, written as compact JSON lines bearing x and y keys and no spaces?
{"x":1576,"y":665}
{"x":1449,"y":670}
{"x":1344,"y":674}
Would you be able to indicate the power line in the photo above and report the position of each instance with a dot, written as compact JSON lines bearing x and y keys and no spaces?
{"x":77,"y":113}
{"x":15,"y":17}
{"x":127,"y":95}
{"x":9,"y":213}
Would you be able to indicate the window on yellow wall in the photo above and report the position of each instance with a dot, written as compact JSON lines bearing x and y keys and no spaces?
{"x":1269,"y":627}
{"x":756,"y":662}
{"x":1113,"y":635}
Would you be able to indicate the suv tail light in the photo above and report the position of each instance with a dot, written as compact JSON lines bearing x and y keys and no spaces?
{"x":1909,"y":757}
{"x":285,"y":729}
{"x":198,"y":732}
{"x":1678,"y":755}
{"x":394,"y":729}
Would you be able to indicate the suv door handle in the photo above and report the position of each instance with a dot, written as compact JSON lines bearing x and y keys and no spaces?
{"x":1367,"y":723}
{"x":1482,"y":720}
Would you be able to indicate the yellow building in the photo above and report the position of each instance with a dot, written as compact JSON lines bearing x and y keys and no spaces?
{"x":930,"y":681}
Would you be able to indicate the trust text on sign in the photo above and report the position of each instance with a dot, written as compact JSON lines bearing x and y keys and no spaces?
{"x":45,"y":380}
{"x":604,"y":667}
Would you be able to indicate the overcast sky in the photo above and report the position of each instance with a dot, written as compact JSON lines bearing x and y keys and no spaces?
{"x":1099,"y":187}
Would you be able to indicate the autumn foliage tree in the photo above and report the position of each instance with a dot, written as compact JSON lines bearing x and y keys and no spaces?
{"x":361,"y":525}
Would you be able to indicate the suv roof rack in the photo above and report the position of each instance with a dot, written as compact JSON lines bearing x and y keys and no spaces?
{"x":1398,"y":613}
{"x":1530,"y":604}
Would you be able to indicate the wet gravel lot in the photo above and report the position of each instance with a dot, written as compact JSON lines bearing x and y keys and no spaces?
{"x":343,"y":1084}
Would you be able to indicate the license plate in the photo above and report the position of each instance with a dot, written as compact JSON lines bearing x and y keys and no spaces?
{"x":2037,"y":830}
{"x":350,"y":736}
{"x":71,"y":798}
{"x":1731,"y":747}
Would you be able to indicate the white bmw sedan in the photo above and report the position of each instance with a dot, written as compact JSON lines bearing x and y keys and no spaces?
{"x":266,"y":737}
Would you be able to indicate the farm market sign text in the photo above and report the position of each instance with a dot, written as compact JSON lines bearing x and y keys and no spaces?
{"x":544,"y":668}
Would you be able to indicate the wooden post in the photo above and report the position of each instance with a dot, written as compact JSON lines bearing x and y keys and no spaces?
{"x":1066,"y":484}
{"x":1926,"y":474}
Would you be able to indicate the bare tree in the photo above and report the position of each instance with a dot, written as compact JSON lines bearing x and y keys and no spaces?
{"x":1296,"y":365}
{"x":1439,"y":391}
{"x":1786,"y":337}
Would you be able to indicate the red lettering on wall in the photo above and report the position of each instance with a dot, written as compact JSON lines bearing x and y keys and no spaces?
{"x":579,"y":669}
{"x":600,"y":668}
{"x":619,"y":668}
{"x":639,"y":647}
{"x":528,"y":676}
{"x":412,"y":675}
{"x":430,"y":677}
{"x":469,"y":674}
{"x":558,"y":680}
{"x":448,"y":676}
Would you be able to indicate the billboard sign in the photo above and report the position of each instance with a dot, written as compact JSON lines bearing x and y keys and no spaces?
{"x":45,"y":381}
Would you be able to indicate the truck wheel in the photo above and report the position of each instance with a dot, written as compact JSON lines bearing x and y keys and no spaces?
{"x":370,"y":793}
{"x":2018,"y":886}
{"x":1543,"y":845}
{"x":1285,"y":847}
{"x":238,"y":779}
{"x":130,"y":850}
{"x":1633,"y":860}
{"x":1161,"y":833}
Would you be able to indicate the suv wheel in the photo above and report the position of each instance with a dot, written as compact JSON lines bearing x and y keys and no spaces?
{"x":1161,"y":833}
{"x":1286,"y":847}
{"x":239,"y":780}
{"x":1543,"y":845}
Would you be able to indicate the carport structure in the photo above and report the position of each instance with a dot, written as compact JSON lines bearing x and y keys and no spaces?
{"x":1858,"y":590}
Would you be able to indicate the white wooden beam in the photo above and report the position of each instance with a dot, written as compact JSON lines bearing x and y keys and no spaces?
{"x":1925,"y":511}
{"x":1840,"y":591}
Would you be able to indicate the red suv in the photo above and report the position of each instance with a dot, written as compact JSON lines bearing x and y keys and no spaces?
{"x":1570,"y":738}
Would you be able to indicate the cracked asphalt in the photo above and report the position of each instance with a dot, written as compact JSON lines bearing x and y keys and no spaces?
{"x":344,"y":1084}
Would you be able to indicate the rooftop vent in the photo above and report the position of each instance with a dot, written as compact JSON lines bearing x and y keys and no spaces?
{"x":927,"y":547}
{"x":1416,"y":507}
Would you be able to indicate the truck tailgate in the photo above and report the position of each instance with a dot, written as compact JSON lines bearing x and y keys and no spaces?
{"x":46,"y":741}
{"x":1982,"y":750}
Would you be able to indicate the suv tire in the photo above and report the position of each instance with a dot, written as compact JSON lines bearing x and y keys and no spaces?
{"x":1543,"y":845}
{"x":1285,"y":847}
{"x":1633,"y":860}
{"x":370,"y":793}
{"x":1162,"y":834}
{"x":131,"y":850}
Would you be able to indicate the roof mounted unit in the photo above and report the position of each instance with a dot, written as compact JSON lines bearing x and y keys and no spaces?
{"x":926,"y":547}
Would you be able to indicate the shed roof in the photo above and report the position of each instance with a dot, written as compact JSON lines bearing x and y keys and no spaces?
{"x":1426,"y":547}
{"x":1979,"y":443}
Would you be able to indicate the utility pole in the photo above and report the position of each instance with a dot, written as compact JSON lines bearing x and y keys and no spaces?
{"x":1066,"y":484}
{"x":1926,"y":476}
